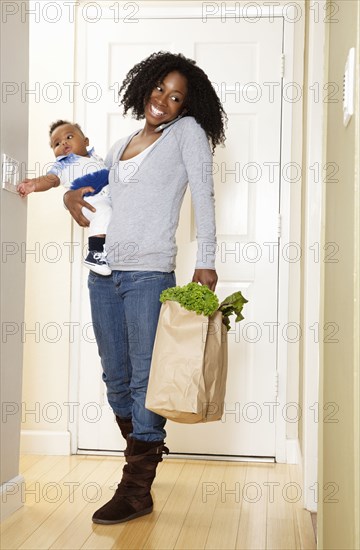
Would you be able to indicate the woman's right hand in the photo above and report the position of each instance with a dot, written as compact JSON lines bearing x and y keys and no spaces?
{"x":74,"y":202}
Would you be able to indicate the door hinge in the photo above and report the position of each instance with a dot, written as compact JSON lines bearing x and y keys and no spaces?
{"x":279,"y":226}
{"x":276,"y":383}
{"x":282,"y":65}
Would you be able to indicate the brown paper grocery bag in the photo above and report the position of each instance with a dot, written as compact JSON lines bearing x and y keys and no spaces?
{"x":189,"y":366}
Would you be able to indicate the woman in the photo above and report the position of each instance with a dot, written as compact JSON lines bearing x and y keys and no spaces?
{"x":149,"y":172}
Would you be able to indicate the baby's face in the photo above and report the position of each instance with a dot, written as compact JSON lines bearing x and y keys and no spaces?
{"x":68,"y":139}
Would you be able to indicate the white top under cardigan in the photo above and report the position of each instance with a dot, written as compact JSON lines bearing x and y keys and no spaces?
{"x":127,"y":169}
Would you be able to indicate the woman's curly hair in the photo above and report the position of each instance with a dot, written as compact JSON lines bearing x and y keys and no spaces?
{"x":201,"y":101}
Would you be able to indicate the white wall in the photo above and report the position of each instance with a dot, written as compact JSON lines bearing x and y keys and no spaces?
{"x":46,"y":360}
{"x":339,"y":457}
{"x":14,"y":142}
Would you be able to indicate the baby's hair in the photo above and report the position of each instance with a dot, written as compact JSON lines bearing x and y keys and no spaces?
{"x":201,"y":102}
{"x":58,"y":123}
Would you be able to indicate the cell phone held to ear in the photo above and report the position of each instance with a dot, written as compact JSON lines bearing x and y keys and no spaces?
{"x":166,"y":124}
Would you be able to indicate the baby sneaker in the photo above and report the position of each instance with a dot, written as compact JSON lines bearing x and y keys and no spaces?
{"x":96,"y":261}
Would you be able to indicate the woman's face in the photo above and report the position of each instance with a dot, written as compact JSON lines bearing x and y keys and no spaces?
{"x":167,"y":99}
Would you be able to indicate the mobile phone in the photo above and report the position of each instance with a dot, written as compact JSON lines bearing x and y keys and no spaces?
{"x":166,"y":124}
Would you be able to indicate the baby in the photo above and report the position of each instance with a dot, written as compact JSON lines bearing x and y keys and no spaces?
{"x":78,"y":166}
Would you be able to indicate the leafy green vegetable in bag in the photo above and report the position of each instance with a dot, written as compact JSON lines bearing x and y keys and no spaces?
{"x":193,"y":297}
{"x":232,"y":304}
{"x":202,"y":300}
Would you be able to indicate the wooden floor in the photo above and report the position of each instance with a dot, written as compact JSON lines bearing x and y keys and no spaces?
{"x":197,"y":504}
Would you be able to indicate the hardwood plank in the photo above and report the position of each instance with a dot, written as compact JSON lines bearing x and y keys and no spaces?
{"x":295,"y":476}
{"x":26,"y":461}
{"x":223,"y":530}
{"x":280,"y":517}
{"x":306,"y":531}
{"x":77,"y":532}
{"x":196,"y":526}
{"x":35,"y":512}
{"x":90,"y":489}
{"x":41,"y":467}
{"x":253,"y":520}
{"x":31,"y":488}
{"x":103,"y":536}
{"x":168,"y":526}
{"x":313,"y":516}
{"x":280,"y":534}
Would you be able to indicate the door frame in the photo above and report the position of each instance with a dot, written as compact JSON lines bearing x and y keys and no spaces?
{"x":313,"y":273}
{"x":289,"y":207}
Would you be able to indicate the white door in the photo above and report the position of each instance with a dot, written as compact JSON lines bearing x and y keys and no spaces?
{"x":243,"y":61}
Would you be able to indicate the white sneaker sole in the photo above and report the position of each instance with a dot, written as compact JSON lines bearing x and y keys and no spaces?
{"x":99,"y":269}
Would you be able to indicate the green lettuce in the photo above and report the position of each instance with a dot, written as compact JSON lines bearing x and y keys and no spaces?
{"x":233,"y":304}
{"x":193,"y":297}
{"x":202,"y":300}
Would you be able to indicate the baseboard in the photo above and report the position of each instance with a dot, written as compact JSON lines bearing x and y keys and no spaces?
{"x":42,"y":442}
{"x":293,"y":452}
{"x":10,"y":495}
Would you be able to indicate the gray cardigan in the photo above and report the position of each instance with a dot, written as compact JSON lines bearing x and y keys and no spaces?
{"x":146,"y":206}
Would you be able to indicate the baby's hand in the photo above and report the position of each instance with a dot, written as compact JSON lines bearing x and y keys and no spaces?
{"x":25,"y":187}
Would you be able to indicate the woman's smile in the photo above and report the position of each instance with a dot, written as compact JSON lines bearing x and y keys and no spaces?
{"x":155,"y":111}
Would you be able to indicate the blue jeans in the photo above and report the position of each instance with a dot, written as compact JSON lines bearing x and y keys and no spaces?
{"x":125,"y":309}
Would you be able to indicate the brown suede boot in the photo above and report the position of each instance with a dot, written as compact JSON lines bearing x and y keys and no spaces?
{"x":132,"y":498}
{"x":125,"y":425}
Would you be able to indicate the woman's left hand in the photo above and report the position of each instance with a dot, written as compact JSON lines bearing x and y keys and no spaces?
{"x":206,"y":277}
